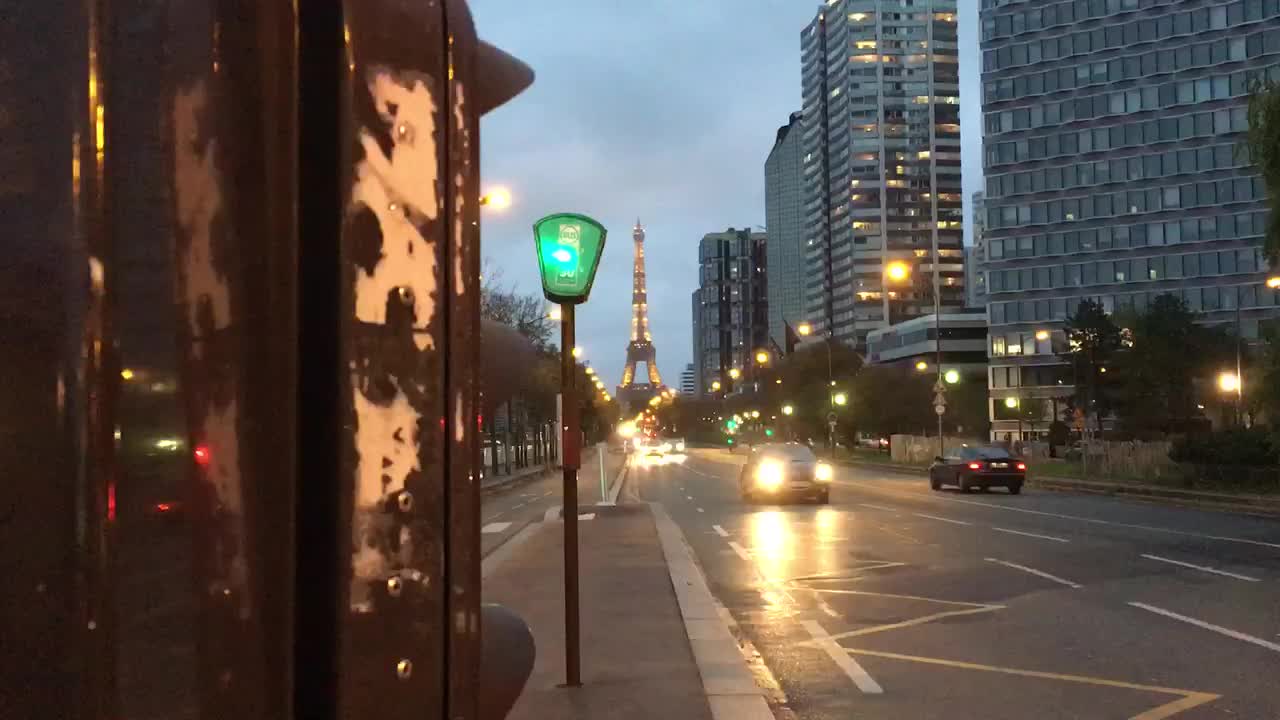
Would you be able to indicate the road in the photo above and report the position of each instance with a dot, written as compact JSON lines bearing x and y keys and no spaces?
{"x":899,"y":602}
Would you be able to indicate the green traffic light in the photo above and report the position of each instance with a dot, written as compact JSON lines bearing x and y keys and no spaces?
{"x":730,"y":441}
{"x":768,"y":432}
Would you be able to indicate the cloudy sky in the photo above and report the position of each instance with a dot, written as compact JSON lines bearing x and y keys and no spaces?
{"x":662,"y":110}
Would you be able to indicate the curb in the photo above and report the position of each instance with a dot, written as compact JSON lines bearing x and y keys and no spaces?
{"x":510,"y":480}
{"x":732,"y":692}
{"x":615,"y":488}
{"x":1169,"y":496}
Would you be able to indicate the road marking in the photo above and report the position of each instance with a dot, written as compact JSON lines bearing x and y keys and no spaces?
{"x":970,"y":608}
{"x":935,"y":517}
{"x":1027,"y":534}
{"x":1095,"y":521}
{"x":701,"y":510}
{"x":1275,"y":647}
{"x":841,"y":658}
{"x":1202,"y":568}
{"x":587,"y":516}
{"x":495,"y":527}
{"x":688,"y":497}
{"x":878,"y":507}
{"x":1035,"y":572}
{"x":720,"y":531}
{"x":1187,"y":700}
{"x":552,"y":514}
{"x":742,"y":552}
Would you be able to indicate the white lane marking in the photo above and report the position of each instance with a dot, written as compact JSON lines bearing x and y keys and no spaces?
{"x":552,"y":514}
{"x":701,"y":510}
{"x":688,"y":497}
{"x":1035,"y":572}
{"x":826,"y":608}
{"x":1027,"y":534}
{"x":1077,"y":518}
{"x":841,"y":658}
{"x":495,"y":527}
{"x":742,"y":552}
{"x":878,"y":507}
{"x":587,"y":516}
{"x":1210,"y":626}
{"x":935,"y":517}
{"x":720,"y":531}
{"x":1202,"y":568}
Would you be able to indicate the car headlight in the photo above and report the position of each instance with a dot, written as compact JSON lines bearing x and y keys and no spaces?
{"x":769,"y":475}
{"x":680,"y":446}
{"x":822,"y":472}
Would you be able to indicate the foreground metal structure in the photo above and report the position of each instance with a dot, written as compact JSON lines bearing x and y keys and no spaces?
{"x":239,"y":327}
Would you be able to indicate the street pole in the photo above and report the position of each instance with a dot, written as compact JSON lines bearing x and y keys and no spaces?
{"x":571,"y":461}
{"x":937,"y":336}
{"x":1239,"y":375}
{"x":604,"y":490}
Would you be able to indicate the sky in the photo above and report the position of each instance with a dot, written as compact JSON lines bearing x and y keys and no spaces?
{"x":658,"y":110}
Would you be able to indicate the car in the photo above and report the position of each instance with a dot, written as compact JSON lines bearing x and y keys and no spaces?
{"x":982,"y":466}
{"x":784,"y":470}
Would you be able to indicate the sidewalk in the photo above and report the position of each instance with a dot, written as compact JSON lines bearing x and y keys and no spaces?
{"x":636,"y":657}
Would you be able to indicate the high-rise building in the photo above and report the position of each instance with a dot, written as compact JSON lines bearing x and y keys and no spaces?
{"x":689,"y":381}
{"x":881,"y":142}
{"x":1113,"y":171}
{"x":731,"y":307}
{"x":975,"y":255}
{"x":784,"y":223}
{"x":698,"y":378}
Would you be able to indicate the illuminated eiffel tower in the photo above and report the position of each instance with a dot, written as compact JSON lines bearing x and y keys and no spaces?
{"x":632,"y":393}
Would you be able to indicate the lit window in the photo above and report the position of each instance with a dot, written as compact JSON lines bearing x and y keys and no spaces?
{"x":865,"y":44}
{"x":857,"y":17}
{"x":923,"y":154}
{"x":835,"y":92}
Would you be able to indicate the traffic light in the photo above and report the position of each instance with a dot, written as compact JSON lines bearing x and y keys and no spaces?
{"x":730,"y":440}
{"x":768,"y":432}
{"x":731,"y":424}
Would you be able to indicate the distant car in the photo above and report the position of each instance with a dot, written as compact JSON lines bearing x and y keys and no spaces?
{"x":784,"y":470}
{"x":978,"y":467}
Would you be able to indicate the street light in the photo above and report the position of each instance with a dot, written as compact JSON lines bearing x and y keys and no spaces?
{"x":762,"y":357}
{"x":554,"y":313}
{"x":840,"y":399}
{"x":735,"y":373}
{"x":805,"y":329}
{"x":755,"y":414}
{"x":1042,"y":335}
{"x":897,"y":271}
{"x":952,"y":377}
{"x":787,"y":410}
{"x":1228,"y":382}
{"x":1273,"y":282}
{"x":577,"y":352}
{"x":922,"y":366}
{"x":715,"y":385}
{"x":498,"y":198}
{"x":1011,"y":402}
{"x":590,"y":370}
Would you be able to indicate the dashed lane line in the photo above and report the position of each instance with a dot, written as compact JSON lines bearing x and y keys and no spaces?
{"x":878,"y":507}
{"x":1027,"y":534}
{"x":1274,"y":647}
{"x":1202,"y":568}
{"x":701,"y":510}
{"x":741,"y":551}
{"x":842,"y":659}
{"x":1037,"y":573}
{"x":496,"y":527}
{"x":948,"y":520}
{"x":720,"y":531}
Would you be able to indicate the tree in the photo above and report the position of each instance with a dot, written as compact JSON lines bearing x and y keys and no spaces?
{"x":1170,"y":354}
{"x":1262,"y":143}
{"x":1268,"y":384}
{"x":889,"y":400}
{"x":525,"y":313}
{"x":1092,"y":340}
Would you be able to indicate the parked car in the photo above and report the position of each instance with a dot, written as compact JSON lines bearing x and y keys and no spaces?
{"x":784,"y":470}
{"x":981,"y":467}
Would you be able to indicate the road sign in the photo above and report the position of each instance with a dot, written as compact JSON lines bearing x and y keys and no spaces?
{"x":938,"y":387}
{"x":569,"y":248}
{"x":940,"y":409}
{"x":940,"y":400}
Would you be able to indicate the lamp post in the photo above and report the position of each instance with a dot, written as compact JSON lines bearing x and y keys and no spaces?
{"x":569,"y":247}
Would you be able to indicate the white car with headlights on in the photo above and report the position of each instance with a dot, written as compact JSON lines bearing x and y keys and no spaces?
{"x":784,"y":470}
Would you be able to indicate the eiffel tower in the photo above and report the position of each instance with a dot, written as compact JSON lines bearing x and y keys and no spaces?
{"x":636,"y":394}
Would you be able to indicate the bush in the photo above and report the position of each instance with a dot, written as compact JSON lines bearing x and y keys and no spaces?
{"x":1253,"y":447}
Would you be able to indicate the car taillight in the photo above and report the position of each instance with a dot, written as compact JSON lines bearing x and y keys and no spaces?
{"x":1022,"y":466}
{"x":975,"y":466}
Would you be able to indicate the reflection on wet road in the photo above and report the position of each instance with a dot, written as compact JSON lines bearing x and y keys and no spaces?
{"x":898,"y":602}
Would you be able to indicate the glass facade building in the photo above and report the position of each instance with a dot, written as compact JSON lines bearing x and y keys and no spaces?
{"x":731,"y":308}
{"x":881,"y":165}
{"x":784,"y":223}
{"x":1114,"y":170}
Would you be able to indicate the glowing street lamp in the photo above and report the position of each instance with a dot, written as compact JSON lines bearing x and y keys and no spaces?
{"x":922,"y":366}
{"x":554,"y":314}
{"x":952,"y":377}
{"x":498,"y":198}
{"x":840,"y":399}
{"x":735,"y":373}
{"x":577,"y":352}
{"x":755,"y":414}
{"x":897,"y":271}
{"x":788,"y":410}
{"x":1273,"y":282}
{"x":715,"y":385}
{"x":126,"y":374}
{"x":762,"y":357}
{"x":1042,"y":335}
{"x":591,"y":370}
{"x":1228,"y":382}
{"x":805,"y":329}
{"x":1011,"y":402}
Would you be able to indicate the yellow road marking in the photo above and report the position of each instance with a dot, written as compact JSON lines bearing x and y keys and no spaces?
{"x":916,"y":621}
{"x":1187,"y":698}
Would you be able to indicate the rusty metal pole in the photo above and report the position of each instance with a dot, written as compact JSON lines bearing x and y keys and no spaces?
{"x":571,"y":462}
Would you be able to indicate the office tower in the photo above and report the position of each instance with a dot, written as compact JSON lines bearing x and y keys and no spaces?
{"x":1113,"y":172}
{"x":784,"y":223}
{"x":881,"y":142}
{"x":975,"y":255}
{"x":731,"y":308}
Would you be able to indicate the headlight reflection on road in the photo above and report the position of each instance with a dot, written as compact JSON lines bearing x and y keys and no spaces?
{"x":648,"y":461}
{"x":772,"y":545}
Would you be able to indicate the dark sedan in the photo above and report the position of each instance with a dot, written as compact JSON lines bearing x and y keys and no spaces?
{"x":978,"y":467}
